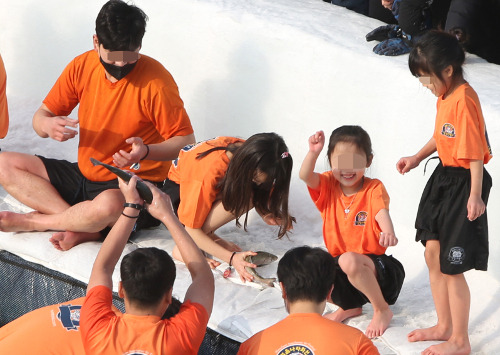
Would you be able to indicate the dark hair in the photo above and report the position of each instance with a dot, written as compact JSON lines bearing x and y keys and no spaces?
{"x":266,"y":153}
{"x":435,"y":51}
{"x":307,"y":274}
{"x":147,"y":274}
{"x":120,"y":27}
{"x":351,"y":134}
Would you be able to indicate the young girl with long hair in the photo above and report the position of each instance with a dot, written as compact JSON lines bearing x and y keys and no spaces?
{"x":223,"y":179}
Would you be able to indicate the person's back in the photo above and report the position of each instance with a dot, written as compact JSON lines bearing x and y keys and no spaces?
{"x":147,"y":276}
{"x":308,"y":333}
{"x":306,"y":277}
{"x":53,"y":329}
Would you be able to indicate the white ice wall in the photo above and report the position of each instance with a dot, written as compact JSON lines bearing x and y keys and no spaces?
{"x":289,"y":66}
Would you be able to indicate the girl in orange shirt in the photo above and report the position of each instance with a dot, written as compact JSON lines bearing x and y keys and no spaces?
{"x":222,"y":179}
{"x":451,"y":220}
{"x":357,"y":228}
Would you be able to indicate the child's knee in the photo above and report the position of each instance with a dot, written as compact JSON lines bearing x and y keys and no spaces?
{"x":431,"y":253}
{"x":352,"y":263}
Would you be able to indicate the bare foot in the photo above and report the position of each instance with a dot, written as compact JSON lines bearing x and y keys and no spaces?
{"x":433,"y":333}
{"x":450,"y":347}
{"x":379,"y":323}
{"x":341,"y":315}
{"x":212,"y":263}
{"x":15,"y":222}
{"x":67,"y":240}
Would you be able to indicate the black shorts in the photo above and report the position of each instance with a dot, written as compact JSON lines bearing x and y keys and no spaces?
{"x":442,"y":215}
{"x":74,"y":188}
{"x":390,"y":277}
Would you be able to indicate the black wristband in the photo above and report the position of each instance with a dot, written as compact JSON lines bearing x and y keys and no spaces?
{"x":126,"y":215}
{"x":147,"y":152}
{"x":133,"y":205}
{"x":231,"y":259}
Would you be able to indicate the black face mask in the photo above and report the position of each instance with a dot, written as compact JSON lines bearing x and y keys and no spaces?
{"x":117,"y":72}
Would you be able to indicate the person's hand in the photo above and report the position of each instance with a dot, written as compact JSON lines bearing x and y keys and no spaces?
{"x":392,"y":47}
{"x":387,"y":239}
{"x":129,"y":190}
{"x":383,"y":32}
{"x":161,"y":206}
{"x":405,"y":164}
{"x":138,"y":151}
{"x":239,"y":264}
{"x":57,"y":128}
{"x":475,"y":207}
{"x":316,"y":142}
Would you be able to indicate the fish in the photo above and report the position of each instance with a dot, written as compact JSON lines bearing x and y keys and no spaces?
{"x":262,"y":258}
{"x":142,"y":188}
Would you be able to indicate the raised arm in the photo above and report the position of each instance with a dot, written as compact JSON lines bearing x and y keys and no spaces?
{"x":202,"y":286}
{"x":113,"y":245}
{"x":306,"y":173}
{"x":47,"y":124}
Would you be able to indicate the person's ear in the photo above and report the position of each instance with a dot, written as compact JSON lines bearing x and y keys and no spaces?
{"x":448,"y":72}
{"x":95,"y":42}
{"x":329,"y":295}
{"x":168,"y":296}
{"x":369,"y":160}
{"x":121,"y":291}
{"x":283,"y":292}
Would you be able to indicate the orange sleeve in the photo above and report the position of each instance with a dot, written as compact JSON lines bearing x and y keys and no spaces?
{"x":471,"y":130}
{"x":4,"y":110}
{"x":380,"y":198}
{"x":321,"y":193}
{"x":95,"y":315}
{"x":366,"y":346}
{"x":63,"y":97}
{"x":197,"y":198}
{"x":189,"y":325}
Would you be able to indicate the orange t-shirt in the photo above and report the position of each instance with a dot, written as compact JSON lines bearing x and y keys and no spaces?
{"x":52,"y":329}
{"x":460,"y":132}
{"x":143,"y":104}
{"x":198,"y":179}
{"x":358,"y":231}
{"x":308,"y":333}
{"x":4,"y":111}
{"x":104,"y":332}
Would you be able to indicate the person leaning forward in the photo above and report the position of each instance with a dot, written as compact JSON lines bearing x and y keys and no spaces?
{"x":130,"y":112}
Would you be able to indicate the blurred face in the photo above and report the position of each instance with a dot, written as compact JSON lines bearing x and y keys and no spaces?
{"x":348,"y":166}
{"x":259,"y":177}
{"x":434,"y":84}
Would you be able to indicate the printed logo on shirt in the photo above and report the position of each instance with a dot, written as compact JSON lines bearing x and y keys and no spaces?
{"x":137,"y":352}
{"x":360,"y":219}
{"x":296,"y":349}
{"x":448,"y":130}
{"x":69,"y":316}
{"x":456,"y":256}
{"x":187,"y":148}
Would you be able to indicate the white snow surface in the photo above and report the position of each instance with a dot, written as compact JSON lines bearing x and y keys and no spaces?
{"x":243,"y":67}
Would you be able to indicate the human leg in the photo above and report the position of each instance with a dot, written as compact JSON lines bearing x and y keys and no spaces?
{"x":25,"y":178}
{"x":361,"y":272}
{"x":459,"y":301}
{"x":87,"y":216}
{"x":442,"y":330}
